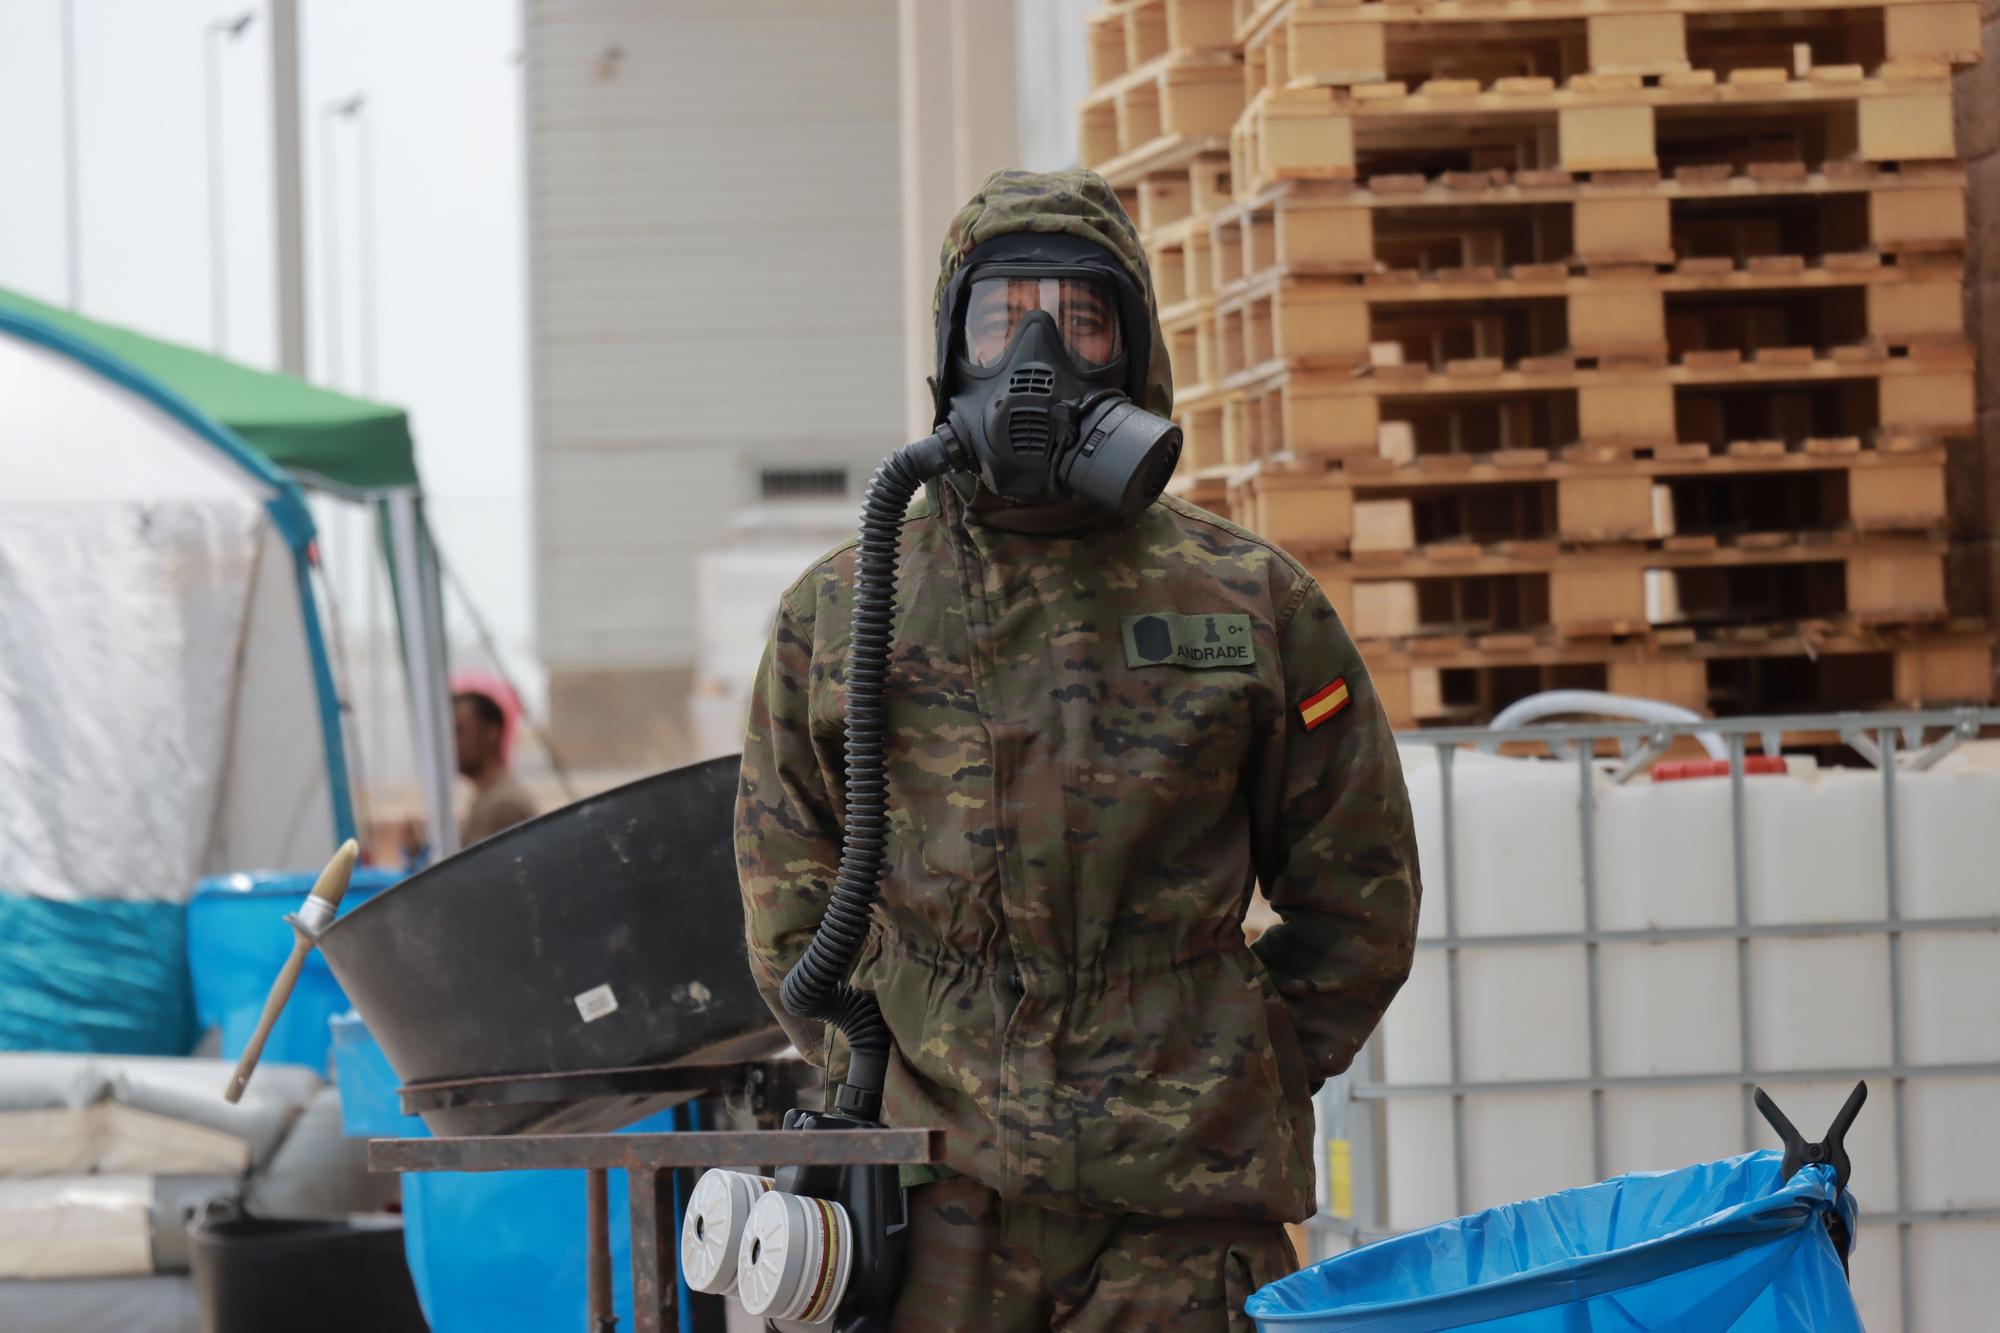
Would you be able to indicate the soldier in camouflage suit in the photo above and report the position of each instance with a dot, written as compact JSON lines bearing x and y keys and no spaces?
{"x":1080,"y":802}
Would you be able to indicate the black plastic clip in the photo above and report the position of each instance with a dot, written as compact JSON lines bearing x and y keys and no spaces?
{"x":1831,"y":1151}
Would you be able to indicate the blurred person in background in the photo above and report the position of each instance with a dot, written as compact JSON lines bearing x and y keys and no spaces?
{"x":499,"y":801}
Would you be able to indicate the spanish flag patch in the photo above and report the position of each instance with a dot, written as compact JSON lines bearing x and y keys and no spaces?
{"x":1324,"y":704}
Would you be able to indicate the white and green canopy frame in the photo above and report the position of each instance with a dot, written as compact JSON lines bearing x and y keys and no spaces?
{"x":168,"y":707}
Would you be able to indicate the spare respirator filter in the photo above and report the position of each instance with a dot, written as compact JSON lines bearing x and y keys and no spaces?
{"x":795,"y":1259}
{"x":786,"y":1257}
{"x":718,"y":1214}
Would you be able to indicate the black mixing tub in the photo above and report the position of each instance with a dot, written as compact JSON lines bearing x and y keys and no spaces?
{"x":588,"y":964}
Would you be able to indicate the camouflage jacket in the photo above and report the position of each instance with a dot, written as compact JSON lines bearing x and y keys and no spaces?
{"x":1100,"y":738}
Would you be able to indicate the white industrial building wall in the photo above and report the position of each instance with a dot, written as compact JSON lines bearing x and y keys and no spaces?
{"x":715,"y":286}
{"x":1052,"y":74}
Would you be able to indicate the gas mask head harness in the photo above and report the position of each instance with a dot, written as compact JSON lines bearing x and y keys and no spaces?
{"x":1044,"y":347}
{"x":1044,"y":342}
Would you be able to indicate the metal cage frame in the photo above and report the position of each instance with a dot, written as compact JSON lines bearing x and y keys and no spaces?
{"x":1352,"y":1107}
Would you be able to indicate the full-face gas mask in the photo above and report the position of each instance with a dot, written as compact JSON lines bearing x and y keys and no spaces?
{"x":1044,"y":344}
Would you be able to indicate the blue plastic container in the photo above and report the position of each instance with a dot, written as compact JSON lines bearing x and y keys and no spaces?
{"x":499,"y":1252}
{"x":369,"y":1107}
{"x":1726,"y":1247}
{"x":237,"y":941}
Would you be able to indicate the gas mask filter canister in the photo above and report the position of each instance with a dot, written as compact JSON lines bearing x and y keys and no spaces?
{"x":795,"y":1259}
{"x":718,"y":1214}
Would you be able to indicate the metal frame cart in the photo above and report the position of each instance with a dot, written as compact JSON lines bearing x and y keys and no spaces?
{"x":660,"y":1170}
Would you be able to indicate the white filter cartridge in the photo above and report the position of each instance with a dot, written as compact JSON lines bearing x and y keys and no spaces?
{"x":796,"y":1257}
{"x":718,"y":1214}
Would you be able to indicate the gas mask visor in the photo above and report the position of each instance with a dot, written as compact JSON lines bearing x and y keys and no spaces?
{"x":1082,"y":305}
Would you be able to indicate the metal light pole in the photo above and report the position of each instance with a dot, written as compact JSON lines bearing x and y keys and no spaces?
{"x":287,"y":187}
{"x":364,"y":227}
{"x":362,"y":550}
{"x":72,"y":190}
{"x":346,"y":108}
{"x":218,"y":280}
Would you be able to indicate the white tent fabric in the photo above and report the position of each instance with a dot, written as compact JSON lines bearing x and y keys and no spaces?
{"x":158,"y":714}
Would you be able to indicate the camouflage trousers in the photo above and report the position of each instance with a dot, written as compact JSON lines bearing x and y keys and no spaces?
{"x":977,"y":1263}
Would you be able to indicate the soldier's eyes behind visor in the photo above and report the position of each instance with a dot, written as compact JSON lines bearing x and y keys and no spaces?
{"x":1083,"y":310}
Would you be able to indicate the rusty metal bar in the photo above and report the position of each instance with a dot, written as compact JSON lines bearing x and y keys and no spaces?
{"x":576,"y":1086}
{"x":597,"y":1224}
{"x":655,"y":1281}
{"x":658,"y":1152}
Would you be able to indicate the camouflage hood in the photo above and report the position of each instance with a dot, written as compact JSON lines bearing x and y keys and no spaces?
{"x":1067,"y":203}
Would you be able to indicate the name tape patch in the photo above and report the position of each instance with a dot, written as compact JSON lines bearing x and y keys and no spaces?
{"x":1325,"y":703}
{"x":1200,"y":641}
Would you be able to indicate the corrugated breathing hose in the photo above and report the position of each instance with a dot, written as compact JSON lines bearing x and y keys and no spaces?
{"x":817,"y":986}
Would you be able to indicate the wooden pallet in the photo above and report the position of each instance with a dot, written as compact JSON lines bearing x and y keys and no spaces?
{"x":1199,"y":415}
{"x":1166,"y":155}
{"x":1753,"y":669}
{"x":1208,"y":488}
{"x":1306,"y":44}
{"x":1182,"y":274}
{"x":1499,"y":217}
{"x":1639,"y":589}
{"x":1251,"y":15}
{"x":1312,"y":231}
{"x":1190,"y":333}
{"x":1129,"y":35}
{"x":1553,"y":402}
{"x":1685,"y":492}
{"x":1590,"y":308}
{"x":1196,"y":190}
{"x":1162,"y":114}
{"x":1593,"y":124}
{"x":1630,"y":313}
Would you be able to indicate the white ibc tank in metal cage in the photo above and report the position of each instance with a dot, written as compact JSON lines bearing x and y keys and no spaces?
{"x":1806,"y":997}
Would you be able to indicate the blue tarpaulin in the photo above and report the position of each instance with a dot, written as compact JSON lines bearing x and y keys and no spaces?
{"x":1726,"y":1247}
{"x":101,"y":975}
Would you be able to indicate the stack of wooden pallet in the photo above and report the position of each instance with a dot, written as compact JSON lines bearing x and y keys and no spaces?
{"x":1598,"y":343}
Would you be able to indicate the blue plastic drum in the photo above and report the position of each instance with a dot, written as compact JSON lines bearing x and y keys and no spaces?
{"x":237,"y":941}
{"x":498,"y":1252}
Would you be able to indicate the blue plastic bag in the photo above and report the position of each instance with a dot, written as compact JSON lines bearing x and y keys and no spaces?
{"x":1724,"y":1246}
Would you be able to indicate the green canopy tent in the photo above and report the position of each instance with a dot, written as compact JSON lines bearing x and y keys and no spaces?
{"x":315,"y":434}
{"x":349,"y":448}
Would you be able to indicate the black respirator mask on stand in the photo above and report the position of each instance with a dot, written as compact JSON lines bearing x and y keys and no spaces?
{"x":1044,"y":348}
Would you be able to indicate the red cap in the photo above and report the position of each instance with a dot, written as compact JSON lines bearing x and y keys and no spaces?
{"x":472,"y":680}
